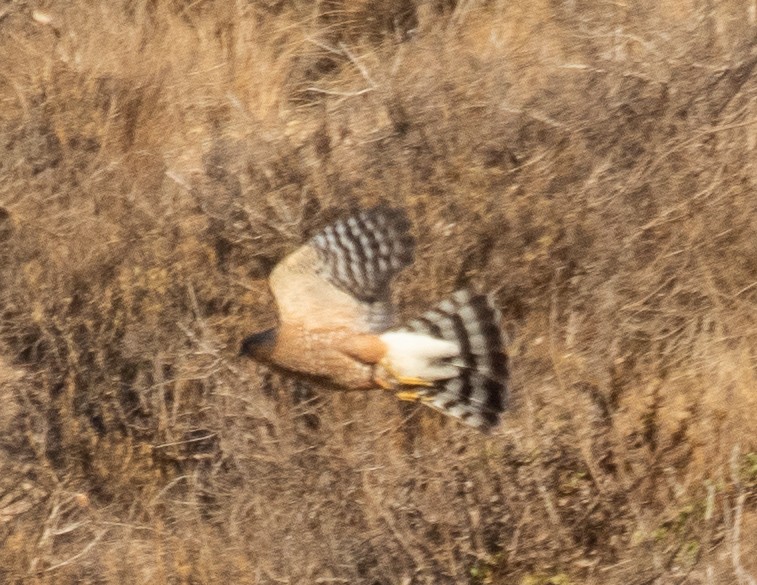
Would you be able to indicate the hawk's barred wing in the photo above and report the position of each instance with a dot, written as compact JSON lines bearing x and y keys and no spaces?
{"x":362,"y":253}
{"x":342,"y":276}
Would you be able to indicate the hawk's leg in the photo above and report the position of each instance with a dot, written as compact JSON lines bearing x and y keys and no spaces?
{"x":389,"y":379}
{"x":413,"y":396}
{"x":383,"y":384}
{"x":409,"y":381}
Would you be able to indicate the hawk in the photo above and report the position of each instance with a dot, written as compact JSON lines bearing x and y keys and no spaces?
{"x":336,"y":323}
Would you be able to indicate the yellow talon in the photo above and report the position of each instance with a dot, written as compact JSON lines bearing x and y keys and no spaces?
{"x":413,"y":382}
{"x":399,"y":380}
{"x":409,"y":396}
{"x":412,"y":396}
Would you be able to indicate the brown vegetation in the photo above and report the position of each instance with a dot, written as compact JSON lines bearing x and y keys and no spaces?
{"x":592,"y":163}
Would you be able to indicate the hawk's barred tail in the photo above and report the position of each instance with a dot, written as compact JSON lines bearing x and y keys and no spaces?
{"x":362,"y":252}
{"x":477,"y":394}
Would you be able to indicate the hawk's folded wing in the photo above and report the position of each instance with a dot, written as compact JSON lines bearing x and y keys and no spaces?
{"x":341,"y":277}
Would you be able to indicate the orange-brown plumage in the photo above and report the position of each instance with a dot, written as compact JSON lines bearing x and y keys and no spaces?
{"x":335,"y":315}
{"x":332,"y":296}
{"x":336,"y":354}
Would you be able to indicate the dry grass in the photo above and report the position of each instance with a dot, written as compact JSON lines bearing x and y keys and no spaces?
{"x":593,"y":164}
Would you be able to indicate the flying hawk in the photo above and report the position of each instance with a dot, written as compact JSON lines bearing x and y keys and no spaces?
{"x":336,"y":323}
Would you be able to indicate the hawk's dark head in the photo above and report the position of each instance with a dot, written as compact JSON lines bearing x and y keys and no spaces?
{"x":259,"y":345}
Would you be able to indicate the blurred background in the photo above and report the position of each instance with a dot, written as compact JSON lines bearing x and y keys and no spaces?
{"x":591,"y":163}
